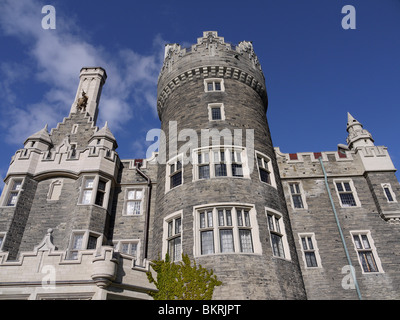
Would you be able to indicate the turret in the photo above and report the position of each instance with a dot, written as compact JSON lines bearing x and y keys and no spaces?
{"x":358,"y":137}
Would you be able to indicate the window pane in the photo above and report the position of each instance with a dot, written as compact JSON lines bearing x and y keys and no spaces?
{"x":311,"y":261}
{"x":357,"y":241}
{"x":207,"y":242}
{"x":99,"y":198}
{"x":209,"y":219}
{"x":228,"y":218}
{"x":176,"y":179}
{"x":221,"y":218}
{"x":216,"y":113}
{"x":102,"y":185}
{"x":239,"y":217}
{"x":77,"y":241}
{"x":17,"y":185}
{"x":202,"y":220}
{"x":174,"y":249}
{"x":347,"y":199}
{"x":210,"y":86}
{"x":226,"y":239}
{"x":170,"y":225}
{"x":297,"y":201}
{"x":246,"y":219}
{"x":92,"y":242}
{"x":217,"y":86}
{"x":347,"y":186}
{"x":264,"y":175}
{"x":310,"y":244}
{"x":220,"y":170}
{"x":277,"y":245}
{"x":339,"y":186}
{"x":388,"y":194}
{"x":89,"y":182}
{"x":365,"y":242}
{"x":237,"y":170}
{"x":12,"y":199}
{"x":304,"y":243}
{"x":131,"y":194}
{"x":246,"y":243}
{"x":87,"y":196}
{"x":204,"y":172}
{"x":270,"y":223}
{"x":178,"y":226}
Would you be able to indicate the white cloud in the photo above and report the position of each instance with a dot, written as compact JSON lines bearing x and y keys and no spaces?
{"x":58,"y":57}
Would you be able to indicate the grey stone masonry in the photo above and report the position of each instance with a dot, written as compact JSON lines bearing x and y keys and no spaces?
{"x":330,"y":277}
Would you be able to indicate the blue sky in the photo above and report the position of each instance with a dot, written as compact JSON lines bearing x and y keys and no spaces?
{"x":315,"y":70}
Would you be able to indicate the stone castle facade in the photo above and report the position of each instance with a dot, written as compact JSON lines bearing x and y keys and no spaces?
{"x":78,"y":222}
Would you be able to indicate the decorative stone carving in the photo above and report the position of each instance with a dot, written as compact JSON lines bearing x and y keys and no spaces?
{"x":82,"y":101}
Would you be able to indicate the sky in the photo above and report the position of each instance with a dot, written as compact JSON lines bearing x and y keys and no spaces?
{"x":316,"y":71}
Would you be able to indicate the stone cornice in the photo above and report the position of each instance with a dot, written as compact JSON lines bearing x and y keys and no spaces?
{"x":209,"y":72}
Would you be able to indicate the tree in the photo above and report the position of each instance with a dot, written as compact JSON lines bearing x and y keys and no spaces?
{"x":182,"y":281}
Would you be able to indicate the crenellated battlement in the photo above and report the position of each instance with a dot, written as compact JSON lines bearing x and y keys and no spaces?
{"x":211,"y":56}
{"x":338,"y":163}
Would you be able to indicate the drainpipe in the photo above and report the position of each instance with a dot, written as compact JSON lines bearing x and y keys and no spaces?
{"x":146,"y":233}
{"x":340,"y":231}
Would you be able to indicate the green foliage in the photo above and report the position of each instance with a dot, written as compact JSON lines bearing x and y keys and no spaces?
{"x":182,"y":281}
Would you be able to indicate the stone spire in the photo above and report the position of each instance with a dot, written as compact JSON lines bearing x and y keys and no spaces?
{"x":89,"y":91}
{"x":358,"y":137}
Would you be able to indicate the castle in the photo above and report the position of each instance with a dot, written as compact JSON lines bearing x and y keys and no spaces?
{"x":78,"y":222}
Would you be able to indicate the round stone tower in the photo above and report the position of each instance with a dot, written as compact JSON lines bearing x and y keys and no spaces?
{"x":219,"y":196}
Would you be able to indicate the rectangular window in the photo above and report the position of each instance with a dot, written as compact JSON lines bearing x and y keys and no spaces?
{"x":277,"y":234}
{"x":309,"y":250}
{"x":264,"y":165}
{"x":388,"y":192}
{"x":366,"y":252}
{"x":214,"y":85}
{"x":101,"y":190}
{"x":346,"y":195}
{"x":225,"y":230}
{"x":16,"y":185}
{"x":220,"y":165}
{"x":296,"y":195}
{"x":81,"y":240}
{"x":220,"y":162}
{"x":216,"y":111}
{"x":87,"y":191}
{"x":175,"y":173}
{"x":133,"y":202}
{"x":174,"y":238}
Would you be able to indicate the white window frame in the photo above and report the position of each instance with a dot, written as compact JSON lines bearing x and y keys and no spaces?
{"x":239,"y":157}
{"x":278,"y":230}
{"x":9,"y":189}
{"x":234,"y":208}
{"x":126,"y":201}
{"x":389,"y":187}
{"x":301,"y":193}
{"x":95,"y":189}
{"x":372,"y":249}
{"x":213,"y":81}
{"x":353,"y":192}
{"x":3,"y":238}
{"x":315,"y":250}
{"x":72,"y":252}
{"x":220,"y":106}
{"x":169,"y":174}
{"x":171,"y":234}
{"x":267,"y":166}
{"x":118,"y":247}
